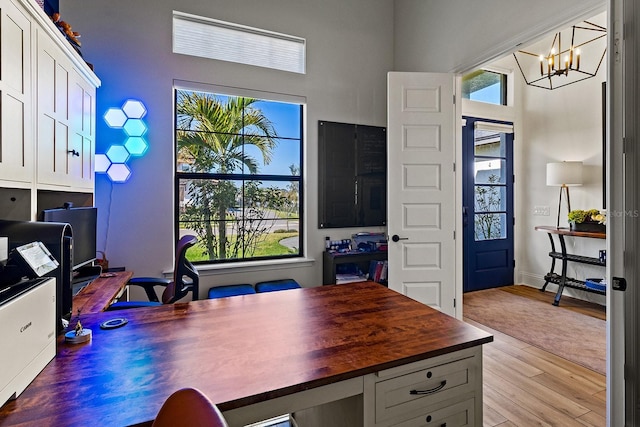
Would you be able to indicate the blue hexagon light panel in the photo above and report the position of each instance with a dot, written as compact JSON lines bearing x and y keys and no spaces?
{"x":128,"y":118}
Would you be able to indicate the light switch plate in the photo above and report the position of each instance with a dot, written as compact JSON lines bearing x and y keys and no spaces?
{"x":541,"y":210}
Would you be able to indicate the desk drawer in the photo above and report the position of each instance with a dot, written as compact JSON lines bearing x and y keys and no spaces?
{"x":423,"y":388}
{"x":461,"y":414}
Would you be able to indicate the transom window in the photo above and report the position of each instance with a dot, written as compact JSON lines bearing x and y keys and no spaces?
{"x":238,"y":176}
{"x":485,"y":86}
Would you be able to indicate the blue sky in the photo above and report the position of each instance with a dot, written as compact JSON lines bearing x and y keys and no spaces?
{"x":285,"y":118}
{"x":490,"y":94}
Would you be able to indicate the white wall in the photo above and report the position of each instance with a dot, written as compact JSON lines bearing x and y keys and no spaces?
{"x":349,"y":51}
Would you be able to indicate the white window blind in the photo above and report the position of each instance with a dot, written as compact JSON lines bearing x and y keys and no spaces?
{"x":494,"y":127}
{"x":210,"y":38}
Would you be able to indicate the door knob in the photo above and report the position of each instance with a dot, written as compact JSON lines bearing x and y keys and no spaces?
{"x":396,"y":238}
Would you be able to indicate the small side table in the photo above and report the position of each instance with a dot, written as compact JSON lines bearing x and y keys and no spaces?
{"x":561,"y":279}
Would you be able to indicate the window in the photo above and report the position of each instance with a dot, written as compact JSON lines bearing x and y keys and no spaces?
{"x":485,"y":86}
{"x":210,"y":38}
{"x":238,"y":176}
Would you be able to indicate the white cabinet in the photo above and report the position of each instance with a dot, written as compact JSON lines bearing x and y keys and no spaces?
{"x":16,"y":135}
{"x":47,"y":112}
{"x":66,"y":105}
{"x":444,"y":390}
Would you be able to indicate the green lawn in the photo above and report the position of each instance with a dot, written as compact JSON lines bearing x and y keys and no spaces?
{"x":269,"y":246}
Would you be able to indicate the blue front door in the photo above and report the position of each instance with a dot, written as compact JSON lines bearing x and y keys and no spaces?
{"x":487,"y":193}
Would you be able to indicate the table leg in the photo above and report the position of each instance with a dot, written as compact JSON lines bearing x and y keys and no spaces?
{"x":563,"y":277}
{"x":553,"y":265}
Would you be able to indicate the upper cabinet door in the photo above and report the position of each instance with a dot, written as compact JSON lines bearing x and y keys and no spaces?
{"x":82,"y":130}
{"x":66,"y":128}
{"x":53,"y":71}
{"x":16,"y":135}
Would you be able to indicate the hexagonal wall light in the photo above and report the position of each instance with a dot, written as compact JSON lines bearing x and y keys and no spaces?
{"x":129,"y":119}
{"x":117,"y":154}
{"x":102,"y":163}
{"x":118,"y":172}
{"x":134,"y":127}
{"x":136,"y":145}
{"x":115,"y":117}
{"x":134,"y":109}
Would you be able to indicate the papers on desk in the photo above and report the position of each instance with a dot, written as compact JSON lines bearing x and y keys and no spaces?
{"x":349,"y":278}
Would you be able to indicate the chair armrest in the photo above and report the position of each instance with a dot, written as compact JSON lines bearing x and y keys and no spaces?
{"x":148,"y":283}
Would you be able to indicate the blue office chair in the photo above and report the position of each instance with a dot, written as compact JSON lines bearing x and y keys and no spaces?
{"x":185,"y":280}
{"x":230,"y":290}
{"x":277,"y":285}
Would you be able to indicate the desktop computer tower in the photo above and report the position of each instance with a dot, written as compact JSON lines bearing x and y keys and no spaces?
{"x":58,"y":239}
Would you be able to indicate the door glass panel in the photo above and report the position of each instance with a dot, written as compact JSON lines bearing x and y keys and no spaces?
{"x":490,"y":226}
{"x":490,"y":198}
{"x":489,"y":143}
{"x":490,"y":171}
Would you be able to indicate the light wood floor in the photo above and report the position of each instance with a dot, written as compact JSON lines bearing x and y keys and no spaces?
{"x":525,"y":386}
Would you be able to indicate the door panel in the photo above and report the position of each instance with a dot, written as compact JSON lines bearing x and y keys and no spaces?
{"x":487,"y":156}
{"x":421,"y":187}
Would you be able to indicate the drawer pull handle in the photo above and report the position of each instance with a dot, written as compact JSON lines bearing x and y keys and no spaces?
{"x":433,"y":390}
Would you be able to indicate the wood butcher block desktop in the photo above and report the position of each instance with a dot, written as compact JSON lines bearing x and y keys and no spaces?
{"x":100,"y":293}
{"x":311,"y":351}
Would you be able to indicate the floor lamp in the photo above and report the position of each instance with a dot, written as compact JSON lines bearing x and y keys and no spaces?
{"x":564,"y":175}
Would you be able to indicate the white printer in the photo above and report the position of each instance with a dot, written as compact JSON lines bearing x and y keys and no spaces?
{"x":27,"y":333}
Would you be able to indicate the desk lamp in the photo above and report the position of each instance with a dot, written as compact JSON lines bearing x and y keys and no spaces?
{"x":564,"y":175}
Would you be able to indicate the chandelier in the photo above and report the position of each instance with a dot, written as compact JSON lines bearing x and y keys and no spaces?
{"x":575,"y":54}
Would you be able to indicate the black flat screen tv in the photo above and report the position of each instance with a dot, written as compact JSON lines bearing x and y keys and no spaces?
{"x":83,"y":221}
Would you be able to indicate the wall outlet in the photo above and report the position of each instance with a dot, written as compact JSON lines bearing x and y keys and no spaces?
{"x":541,"y":210}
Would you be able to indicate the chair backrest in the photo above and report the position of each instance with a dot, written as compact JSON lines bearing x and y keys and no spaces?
{"x":189,"y":407}
{"x":185,"y":275}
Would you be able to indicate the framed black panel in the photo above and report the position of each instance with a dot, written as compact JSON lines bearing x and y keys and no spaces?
{"x":352,"y":167}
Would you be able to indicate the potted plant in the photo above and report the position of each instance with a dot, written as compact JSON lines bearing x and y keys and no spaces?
{"x":592,"y":220}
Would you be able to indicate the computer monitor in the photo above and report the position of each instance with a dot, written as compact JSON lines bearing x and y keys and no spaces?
{"x":83,"y":221}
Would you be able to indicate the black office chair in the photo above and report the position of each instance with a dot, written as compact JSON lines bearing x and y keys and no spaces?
{"x":185,"y":280}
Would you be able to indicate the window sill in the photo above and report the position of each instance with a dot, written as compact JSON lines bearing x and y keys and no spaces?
{"x":277,"y":264}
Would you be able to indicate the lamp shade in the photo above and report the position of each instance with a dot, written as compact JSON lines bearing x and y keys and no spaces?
{"x":564,"y":174}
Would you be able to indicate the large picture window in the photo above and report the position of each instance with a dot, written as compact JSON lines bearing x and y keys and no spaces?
{"x":238,"y":176}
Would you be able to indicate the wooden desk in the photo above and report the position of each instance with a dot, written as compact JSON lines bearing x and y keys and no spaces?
{"x":257,"y":356}
{"x":100,"y":293}
{"x":562,"y":280}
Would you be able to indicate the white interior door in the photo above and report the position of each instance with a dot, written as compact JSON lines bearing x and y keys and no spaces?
{"x":421,"y":193}
{"x":622,"y":93}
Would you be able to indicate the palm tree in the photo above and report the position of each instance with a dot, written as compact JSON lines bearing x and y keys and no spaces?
{"x":212,"y":136}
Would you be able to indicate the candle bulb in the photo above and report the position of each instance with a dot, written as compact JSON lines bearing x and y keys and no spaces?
{"x":541,"y":69}
{"x":571,"y":58}
{"x":578,"y":59}
{"x":566,"y":65}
